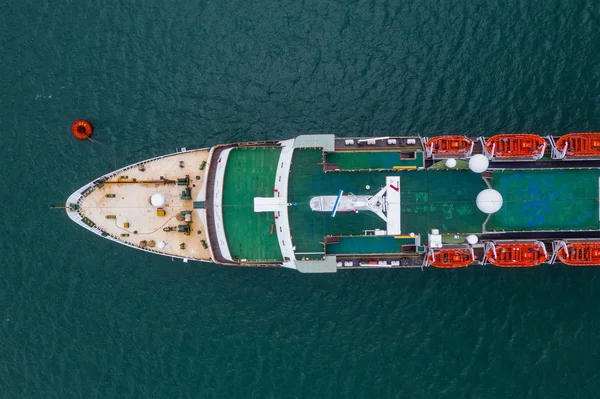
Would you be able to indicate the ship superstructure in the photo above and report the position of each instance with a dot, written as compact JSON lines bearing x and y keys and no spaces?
{"x":318,"y":203}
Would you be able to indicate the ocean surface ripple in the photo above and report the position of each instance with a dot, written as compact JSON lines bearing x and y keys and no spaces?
{"x":81,"y":317}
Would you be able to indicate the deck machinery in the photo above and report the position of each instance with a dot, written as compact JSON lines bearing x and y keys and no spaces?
{"x":318,"y":203}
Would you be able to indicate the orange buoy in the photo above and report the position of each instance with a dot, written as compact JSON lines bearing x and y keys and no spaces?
{"x":81,"y":129}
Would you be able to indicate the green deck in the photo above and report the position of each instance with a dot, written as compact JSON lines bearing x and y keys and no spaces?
{"x":443,"y":199}
{"x":250,"y":173}
{"x":308,"y":180}
{"x":369,"y":245}
{"x":440,"y":199}
{"x":547,"y":199}
{"x":365,"y":160}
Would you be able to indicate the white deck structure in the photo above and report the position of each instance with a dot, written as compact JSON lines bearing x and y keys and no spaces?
{"x":116,"y":206}
{"x":221,"y":239}
{"x":392,"y":186}
{"x":385,"y":204}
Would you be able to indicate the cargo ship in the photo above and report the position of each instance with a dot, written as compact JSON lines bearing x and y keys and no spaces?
{"x":319,"y":203}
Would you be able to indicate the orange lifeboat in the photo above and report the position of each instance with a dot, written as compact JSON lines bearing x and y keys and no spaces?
{"x":451,"y":258}
{"x":450,"y":145}
{"x":580,"y":254}
{"x":580,"y":144}
{"x":515,"y":254}
{"x":516,"y":146}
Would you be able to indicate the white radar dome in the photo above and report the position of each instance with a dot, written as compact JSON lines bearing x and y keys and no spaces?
{"x":450,"y":162}
{"x":472,"y":239}
{"x":489,"y":201}
{"x":157,"y":200}
{"x":479,"y":163}
{"x":161,"y":244}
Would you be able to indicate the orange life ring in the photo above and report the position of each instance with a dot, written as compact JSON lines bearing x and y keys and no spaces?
{"x":81,"y":129}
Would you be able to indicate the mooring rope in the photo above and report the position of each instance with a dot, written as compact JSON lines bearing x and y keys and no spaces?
{"x":114,"y":156}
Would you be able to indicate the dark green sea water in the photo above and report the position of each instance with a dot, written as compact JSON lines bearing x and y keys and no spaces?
{"x":81,"y":317}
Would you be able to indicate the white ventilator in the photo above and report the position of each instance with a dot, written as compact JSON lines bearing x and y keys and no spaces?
{"x":489,"y":201}
{"x":157,"y":200}
{"x":472,"y":239}
{"x":479,"y":163}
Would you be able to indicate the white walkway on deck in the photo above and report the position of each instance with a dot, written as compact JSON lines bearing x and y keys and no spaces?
{"x":282,"y":222}
{"x":221,"y":165}
{"x":393,"y":205}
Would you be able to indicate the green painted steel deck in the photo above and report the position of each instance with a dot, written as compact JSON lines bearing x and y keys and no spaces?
{"x":365,"y":160}
{"x":369,"y":245}
{"x":250,"y":173}
{"x":443,"y":199}
{"x":307,"y":180}
{"x":440,"y":199}
{"x":546,"y":199}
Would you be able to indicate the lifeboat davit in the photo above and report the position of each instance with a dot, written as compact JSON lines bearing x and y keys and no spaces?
{"x":579,"y":144}
{"x":458,"y":146}
{"x":451,"y":258}
{"x":580,"y":254}
{"x":516,"y":146}
{"x":516,"y":254}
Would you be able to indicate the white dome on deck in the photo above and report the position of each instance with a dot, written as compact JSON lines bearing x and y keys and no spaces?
{"x":157,"y":200}
{"x":472,"y":239}
{"x":450,"y":162}
{"x":479,"y":163}
{"x":489,"y":201}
